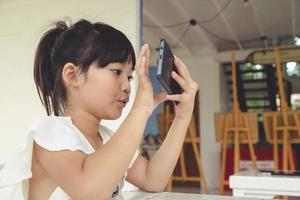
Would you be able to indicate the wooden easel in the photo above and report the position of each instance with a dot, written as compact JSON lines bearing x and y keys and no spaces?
{"x":165,"y":122}
{"x":282,"y":127}
{"x":241,"y":126}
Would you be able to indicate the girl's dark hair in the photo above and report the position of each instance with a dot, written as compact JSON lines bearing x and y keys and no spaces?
{"x":81,"y":44}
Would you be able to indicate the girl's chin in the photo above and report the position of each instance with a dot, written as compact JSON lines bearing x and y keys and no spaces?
{"x":114,"y":116}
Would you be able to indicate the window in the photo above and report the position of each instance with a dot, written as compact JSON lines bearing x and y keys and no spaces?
{"x":295,"y":101}
{"x":293,"y":69}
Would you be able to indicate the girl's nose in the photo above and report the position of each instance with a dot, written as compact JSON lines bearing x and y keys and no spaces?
{"x":126,"y":87}
{"x":127,"y":91}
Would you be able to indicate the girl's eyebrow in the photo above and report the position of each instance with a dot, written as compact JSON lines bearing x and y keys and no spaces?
{"x":118,"y":65}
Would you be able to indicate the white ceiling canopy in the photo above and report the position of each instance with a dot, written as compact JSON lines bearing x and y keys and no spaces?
{"x":190,"y":26}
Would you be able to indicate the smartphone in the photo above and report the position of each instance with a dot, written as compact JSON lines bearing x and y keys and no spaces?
{"x":165,"y":67}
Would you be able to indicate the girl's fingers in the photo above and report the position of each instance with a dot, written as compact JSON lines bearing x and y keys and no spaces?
{"x":143,"y":51}
{"x":147,"y":58}
{"x":182,"y":68}
{"x":138,"y":65}
{"x":148,"y":54}
{"x":179,"y":80}
{"x":160,"y":97}
{"x":141,"y":66}
{"x":144,"y":67}
{"x":143,"y":61}
{"x":186,"y":85}
{"x":174,"y":97}
{"x":139,"y":59}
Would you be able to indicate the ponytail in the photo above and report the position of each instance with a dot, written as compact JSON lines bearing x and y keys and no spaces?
{"x":44,"y":76}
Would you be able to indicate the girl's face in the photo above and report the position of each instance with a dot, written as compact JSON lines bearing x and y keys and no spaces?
{"x":105,"y":91}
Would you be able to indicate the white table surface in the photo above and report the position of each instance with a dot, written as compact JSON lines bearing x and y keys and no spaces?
{"x":252,"y":183}
{"x":137,"y":195}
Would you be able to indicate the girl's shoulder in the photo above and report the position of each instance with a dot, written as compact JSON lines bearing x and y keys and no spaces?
{"x":58,"y":133}
{"x":52,"y":122}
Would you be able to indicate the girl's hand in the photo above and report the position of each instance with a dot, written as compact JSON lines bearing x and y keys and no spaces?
{"x":145,"y":98}
{"x":186,"y":99}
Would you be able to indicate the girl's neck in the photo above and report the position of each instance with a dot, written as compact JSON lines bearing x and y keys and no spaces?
{"x":85,"y":122}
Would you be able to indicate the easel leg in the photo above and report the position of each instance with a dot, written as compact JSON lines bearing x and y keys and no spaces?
{"x":250,"y":144}
{"x":297,"y":122}
{"x":236,"y":152}
{"x":291,"y":158}
{"x":197,"y":155}
{"x":203,"y":180}
{"x":224,"y":151}
{"x":285,"y":151}
{"x":275,"y":143}
{"x":252,"y":152}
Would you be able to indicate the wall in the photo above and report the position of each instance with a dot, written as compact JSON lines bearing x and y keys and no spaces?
{"x":22,"y":24}
{"x":205,"y":70}
{"x":152,"y":127}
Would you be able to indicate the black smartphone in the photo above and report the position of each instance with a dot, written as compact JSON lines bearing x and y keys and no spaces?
{"x":165,"y":67}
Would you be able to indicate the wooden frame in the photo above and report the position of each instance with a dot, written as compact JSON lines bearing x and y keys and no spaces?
{"x":282,"y":127}
{"x":226,"y":121}
{"x":235,"y":128}
{"x":273,"y":122}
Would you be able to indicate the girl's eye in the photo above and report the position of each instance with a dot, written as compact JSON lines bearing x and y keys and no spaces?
{"x":130,"y":78}
{"x":116,"y":71}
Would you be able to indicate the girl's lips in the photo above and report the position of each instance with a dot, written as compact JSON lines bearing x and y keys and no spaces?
{"x":125,"y":100}
{"x":122,"y":103}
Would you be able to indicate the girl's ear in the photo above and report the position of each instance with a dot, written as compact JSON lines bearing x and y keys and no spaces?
{"x":71,"y":75}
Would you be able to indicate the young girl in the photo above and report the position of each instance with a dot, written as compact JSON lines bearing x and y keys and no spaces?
{"x":82,"y":74}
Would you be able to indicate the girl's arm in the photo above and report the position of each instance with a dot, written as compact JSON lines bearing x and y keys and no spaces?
{"x":154,"y":175}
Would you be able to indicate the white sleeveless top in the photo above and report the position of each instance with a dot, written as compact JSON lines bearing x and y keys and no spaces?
{"x":56,"y":134}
